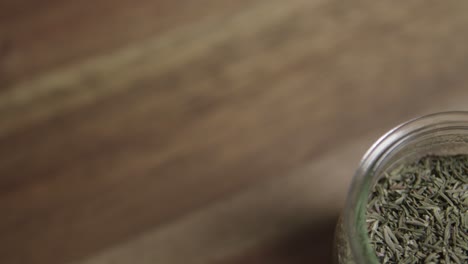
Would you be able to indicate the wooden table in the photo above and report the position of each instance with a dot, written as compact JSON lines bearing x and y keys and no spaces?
{"x":205,"y":131}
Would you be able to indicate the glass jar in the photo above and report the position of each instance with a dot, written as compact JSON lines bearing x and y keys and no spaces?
{"x":436,"y":134}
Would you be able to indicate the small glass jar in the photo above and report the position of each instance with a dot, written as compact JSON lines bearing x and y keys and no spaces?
{"x":436,"y":134}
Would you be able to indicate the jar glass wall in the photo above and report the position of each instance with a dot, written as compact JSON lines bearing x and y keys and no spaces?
{"x":437,"y":134}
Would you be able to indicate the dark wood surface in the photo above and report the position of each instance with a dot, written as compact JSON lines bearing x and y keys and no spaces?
{"x":205,"y":131}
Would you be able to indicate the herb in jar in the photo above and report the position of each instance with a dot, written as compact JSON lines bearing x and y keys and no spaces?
{"x":417,"y":213}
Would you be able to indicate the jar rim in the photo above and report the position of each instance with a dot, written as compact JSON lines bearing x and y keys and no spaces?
{"x":354,"y":214}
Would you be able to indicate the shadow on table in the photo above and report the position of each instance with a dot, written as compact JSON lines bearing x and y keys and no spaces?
{"x":313,"y":244}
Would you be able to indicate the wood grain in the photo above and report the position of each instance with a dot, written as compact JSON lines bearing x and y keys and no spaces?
{"x":282,"y":207}
{"x":127,"y":127}
{"x":281,"y":220}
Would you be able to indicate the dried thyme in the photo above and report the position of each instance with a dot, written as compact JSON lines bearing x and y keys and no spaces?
{"x":417,"y":213}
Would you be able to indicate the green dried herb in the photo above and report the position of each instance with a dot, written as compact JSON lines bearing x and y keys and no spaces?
{"x":417,"y":213}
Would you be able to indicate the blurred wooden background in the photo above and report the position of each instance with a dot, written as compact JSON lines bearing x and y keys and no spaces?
{"x":205,"y":131}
